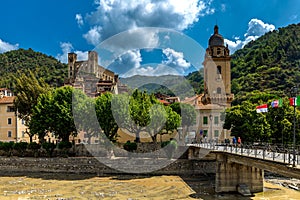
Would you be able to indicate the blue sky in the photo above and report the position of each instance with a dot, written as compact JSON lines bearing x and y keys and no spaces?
{"x":56,"y":27}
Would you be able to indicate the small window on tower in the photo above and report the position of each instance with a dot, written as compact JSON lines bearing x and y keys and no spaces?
{"x":219,"y":90}
{"x":218,"y":51}
{"x":219,"y":69}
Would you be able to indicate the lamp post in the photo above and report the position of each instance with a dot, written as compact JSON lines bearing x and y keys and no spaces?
{"x":211,"y":136}
{"x":294,"y":92}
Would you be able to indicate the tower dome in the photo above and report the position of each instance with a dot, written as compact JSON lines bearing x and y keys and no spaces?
{"x":216,"y":39}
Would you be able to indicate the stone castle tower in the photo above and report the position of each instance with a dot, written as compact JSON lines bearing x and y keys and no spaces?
{"x":90,"y":66}
{"x":89,"y":76}
{"x":217,"y":72}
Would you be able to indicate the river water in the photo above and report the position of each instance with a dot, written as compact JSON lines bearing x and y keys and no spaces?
{"x":73,"y":187}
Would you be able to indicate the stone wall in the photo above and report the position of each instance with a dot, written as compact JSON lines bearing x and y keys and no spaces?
{"x":92,"y":165}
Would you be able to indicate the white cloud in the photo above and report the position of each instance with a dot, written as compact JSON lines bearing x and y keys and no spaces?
{"x":5,"y":46}
{"x":132,"y":39}
{"x":158,"y":70}
{"x":175,"y":59}
{"x":115,"y":16}
{"x":93,"y":36}
{"x":129,"y":64}
{"x":129,"y":60}
{"x":256,"y":28}
{"x":79,"y":20}
{"x":66,"y":48}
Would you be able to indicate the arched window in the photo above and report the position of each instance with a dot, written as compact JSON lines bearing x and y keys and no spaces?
{"x":219,"y":69}
{"x":219,"y":90}
{"x":218,"y":51}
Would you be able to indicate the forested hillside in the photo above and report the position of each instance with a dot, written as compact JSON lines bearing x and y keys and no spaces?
{"x":47,"y":67}
{"x":168,"y":84}
{"x":269,"y":64}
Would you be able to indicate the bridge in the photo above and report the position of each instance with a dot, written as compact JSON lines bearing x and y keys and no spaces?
{"x":242,"y":167}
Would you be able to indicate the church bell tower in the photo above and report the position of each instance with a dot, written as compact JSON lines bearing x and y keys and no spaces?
{"x":217,"y":72}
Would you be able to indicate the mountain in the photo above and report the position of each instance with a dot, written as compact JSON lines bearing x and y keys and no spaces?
{"x":173,"y":85}
{"x":47,"y":67}
{"x":269,"y":64}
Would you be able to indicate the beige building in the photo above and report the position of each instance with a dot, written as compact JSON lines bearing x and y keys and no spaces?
{"x":11,"y":128}
{"x":217,"y":96}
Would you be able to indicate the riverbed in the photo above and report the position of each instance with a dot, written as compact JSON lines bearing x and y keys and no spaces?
{"x":73,"y":187}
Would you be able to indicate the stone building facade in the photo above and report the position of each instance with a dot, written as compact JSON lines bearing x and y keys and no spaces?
{"x":89,"y":76}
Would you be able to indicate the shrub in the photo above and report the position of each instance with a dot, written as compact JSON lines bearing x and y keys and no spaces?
{"x":6,"y":146}
{"x":48,"y":146}
{"x":20,"y":146}
{"x":165,"y":143}
{"x":130,"y":146}
{"x":33,"y":146}
{"x":64,"y":145}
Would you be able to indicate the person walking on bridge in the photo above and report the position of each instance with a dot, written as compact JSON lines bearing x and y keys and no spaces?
{"x":239,"y":141}
{"x":234,"y":141}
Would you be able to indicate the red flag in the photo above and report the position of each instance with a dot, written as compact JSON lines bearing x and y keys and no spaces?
{"x":262,"y":108}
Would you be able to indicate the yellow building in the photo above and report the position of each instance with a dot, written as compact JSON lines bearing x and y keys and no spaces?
{"x":11,"y":128}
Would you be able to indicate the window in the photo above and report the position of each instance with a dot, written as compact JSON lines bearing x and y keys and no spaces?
{"x":219,"y":90}
{"x":10,"y":109}
{"x":216,"y":132}
{"x":23,"y":121}
{"x":216,"y":120}
{"x":23,"y":134}
{"x":9,"y":121}
{"x":218,"y":51}
{"x":204,"y":133}
{"x":205,"y":121}
{"x":9,"y":134}
{"x":219,"y":69}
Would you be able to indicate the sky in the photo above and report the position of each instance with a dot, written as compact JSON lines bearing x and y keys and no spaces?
{"x":145,"y":37}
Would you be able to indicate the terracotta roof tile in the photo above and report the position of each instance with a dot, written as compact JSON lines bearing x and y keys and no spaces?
{"x":5,"y":100}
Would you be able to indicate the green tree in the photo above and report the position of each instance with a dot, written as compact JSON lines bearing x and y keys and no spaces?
{"x":41,"y":119}
{"x":105,"y":116}
{"x":244,"y":122}
{"x":53,"y":113}
{"x":274,"y":126}
{"x":84,"y":114}
{"x":187,"y":113}
{"x":27,"y":90}
{"x":158,"y":119}
{"x":133,"y":112}
{"x":173,"y":121}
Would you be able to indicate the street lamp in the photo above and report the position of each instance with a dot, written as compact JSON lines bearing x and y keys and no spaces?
{"x":294,"y":92}
{"x":211,"y":135}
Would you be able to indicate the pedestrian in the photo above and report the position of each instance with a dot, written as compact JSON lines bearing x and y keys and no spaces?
{"x":234,"y":141}
{"x":239,"y":141}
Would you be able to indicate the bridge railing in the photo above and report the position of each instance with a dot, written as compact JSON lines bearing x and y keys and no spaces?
{"x":267,"y":152}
